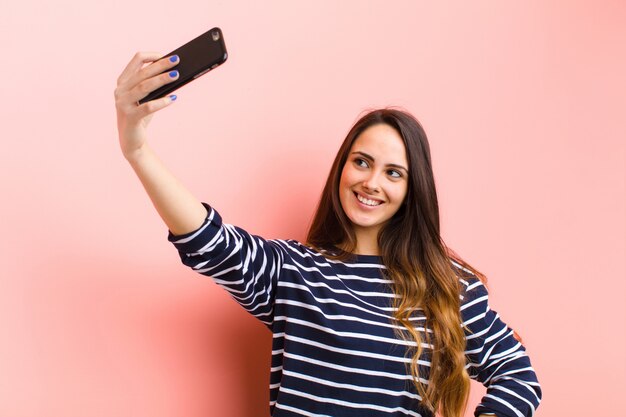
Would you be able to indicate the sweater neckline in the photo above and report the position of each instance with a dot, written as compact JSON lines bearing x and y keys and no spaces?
{"x":367,"y":259}
{"x":358,"y":258}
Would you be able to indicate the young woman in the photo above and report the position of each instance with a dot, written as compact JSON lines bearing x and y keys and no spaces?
{"x":374,"y":315}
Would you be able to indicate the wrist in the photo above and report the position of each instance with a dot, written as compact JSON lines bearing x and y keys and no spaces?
{"x":135,"y":155}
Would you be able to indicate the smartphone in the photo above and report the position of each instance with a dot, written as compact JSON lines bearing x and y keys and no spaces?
{"x":197,"y":57}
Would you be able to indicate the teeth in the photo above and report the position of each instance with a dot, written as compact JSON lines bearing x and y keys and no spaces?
{"x":368,"y":201}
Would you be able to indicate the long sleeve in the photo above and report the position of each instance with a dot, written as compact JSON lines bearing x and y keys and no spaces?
{"x":497,"y":359}
{"x":247,"y":266}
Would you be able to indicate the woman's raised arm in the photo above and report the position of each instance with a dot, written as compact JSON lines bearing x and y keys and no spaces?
{"x":179,"y":209}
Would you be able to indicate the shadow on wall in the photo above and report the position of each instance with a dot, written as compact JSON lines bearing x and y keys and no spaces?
{"x":136,"y":339}
{"x":226,"y":352}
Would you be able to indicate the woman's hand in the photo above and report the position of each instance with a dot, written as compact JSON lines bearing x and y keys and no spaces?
{"x":137,"y":81}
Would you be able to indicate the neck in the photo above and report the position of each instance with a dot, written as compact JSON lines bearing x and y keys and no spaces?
{"x":366,"y":242}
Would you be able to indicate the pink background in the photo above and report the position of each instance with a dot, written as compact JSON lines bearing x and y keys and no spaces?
{"x":524,"y":104}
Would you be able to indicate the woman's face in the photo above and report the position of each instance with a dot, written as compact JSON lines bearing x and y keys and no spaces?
{"x":374,"y":180}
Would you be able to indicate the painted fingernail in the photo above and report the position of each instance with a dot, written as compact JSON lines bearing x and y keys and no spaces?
{"x":174,"y":58}
{"x":174,"y":74}
{"x":173,"y":97}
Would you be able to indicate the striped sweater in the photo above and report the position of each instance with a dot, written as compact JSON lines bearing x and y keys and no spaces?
{"x":335,"y":350}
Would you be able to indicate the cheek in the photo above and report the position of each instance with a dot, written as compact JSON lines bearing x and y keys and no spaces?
{"x":351,"y":176}
{"x":346,"y":180}
{"x":399,"y":194}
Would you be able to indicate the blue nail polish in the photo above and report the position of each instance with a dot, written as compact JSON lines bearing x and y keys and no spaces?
{"x":173,"y":97}
{"x":174,"y":74}
{"x":174,"y":58}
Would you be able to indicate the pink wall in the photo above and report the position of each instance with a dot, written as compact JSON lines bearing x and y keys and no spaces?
{"x":524,"y":105}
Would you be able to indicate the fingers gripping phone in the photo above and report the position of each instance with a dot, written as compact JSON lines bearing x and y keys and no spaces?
{"x":197,"y":57}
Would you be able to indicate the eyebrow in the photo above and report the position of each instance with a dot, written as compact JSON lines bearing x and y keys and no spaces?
{"x":371,"y":158}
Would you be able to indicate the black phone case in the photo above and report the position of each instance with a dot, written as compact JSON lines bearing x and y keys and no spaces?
{"x":197,"y":57}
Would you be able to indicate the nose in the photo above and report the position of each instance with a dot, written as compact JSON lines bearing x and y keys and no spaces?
{"x":371,"y":183}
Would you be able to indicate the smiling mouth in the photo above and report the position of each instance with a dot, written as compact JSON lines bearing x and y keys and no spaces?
{"x":367,"y":201}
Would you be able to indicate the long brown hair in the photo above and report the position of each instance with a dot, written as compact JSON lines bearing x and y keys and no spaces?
{"x":416,"y":260}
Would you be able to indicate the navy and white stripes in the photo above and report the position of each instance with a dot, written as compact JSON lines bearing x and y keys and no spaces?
{"x":336,"y":351}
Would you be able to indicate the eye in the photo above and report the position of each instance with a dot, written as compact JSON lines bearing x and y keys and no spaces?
{"x":360,"y":162}
{"x":394,"y":173}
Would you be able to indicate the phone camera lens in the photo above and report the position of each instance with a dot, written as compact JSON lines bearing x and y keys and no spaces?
{"x":216,"y":35}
